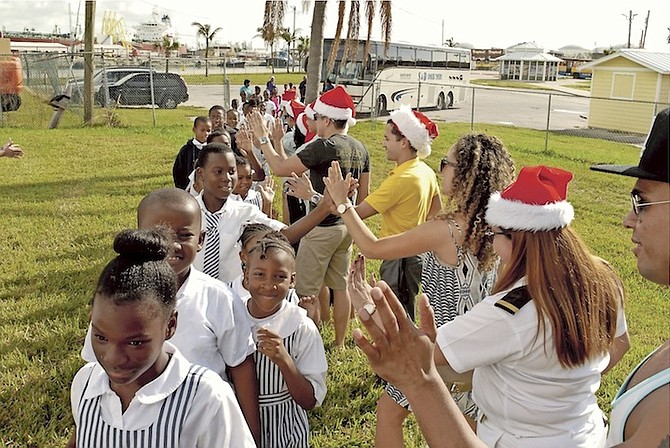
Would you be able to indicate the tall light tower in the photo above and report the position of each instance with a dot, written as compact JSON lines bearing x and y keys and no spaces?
{"x":629,"y":17}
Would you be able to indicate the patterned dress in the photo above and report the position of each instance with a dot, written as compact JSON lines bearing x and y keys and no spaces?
{"x":452,"y":291}
{"x":283,"y":421}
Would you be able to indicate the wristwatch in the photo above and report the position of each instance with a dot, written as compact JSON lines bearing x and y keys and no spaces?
{"x":264,"y":140}
{"x":316,"y":198}
{"x":341,"y":208}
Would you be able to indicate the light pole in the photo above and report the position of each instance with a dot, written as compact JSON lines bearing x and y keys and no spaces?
{"x":292,"y":42}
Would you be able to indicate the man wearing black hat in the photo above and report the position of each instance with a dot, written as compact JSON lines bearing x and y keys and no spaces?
{"x":641,"y":409}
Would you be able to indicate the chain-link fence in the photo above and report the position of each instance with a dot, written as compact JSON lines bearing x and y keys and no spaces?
{"x":140,"y":82}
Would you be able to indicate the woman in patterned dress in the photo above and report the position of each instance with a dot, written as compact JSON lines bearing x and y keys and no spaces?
{"x":459,"y":265}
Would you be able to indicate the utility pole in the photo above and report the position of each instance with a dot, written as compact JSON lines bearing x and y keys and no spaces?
{"x":629,"y":17}
{"x":293,"y":41}
{"x":643,"y":37}
{"x":89,"y":31}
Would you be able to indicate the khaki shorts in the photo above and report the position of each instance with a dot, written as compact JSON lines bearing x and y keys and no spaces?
{"x":323,"y":258}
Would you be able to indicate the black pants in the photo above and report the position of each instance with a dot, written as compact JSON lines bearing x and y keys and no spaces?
{"x":403,"y":277}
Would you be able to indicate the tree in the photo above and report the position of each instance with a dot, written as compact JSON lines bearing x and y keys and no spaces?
{"x":167,"y":45}
{"x":205,"y":31}
{"x":316,"y":50}
{"x":302,"y":49}
{"x":272,"y":28}
{"x":287,"y":37}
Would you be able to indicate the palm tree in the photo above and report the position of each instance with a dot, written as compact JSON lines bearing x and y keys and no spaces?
{"x":302,"y":49}
{"x":205,"y":31}
{"x":272,"y":28}
{"x":351,"y":44}
{"x":288,"y":37}
{"x":315,"y":51}
{"x":167,"y":45}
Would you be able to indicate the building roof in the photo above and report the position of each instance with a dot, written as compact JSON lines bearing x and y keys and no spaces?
{"x":525,"y":46}
{"x":658,"y":62}
{"x":38,"y":46}
{"x":528,"y":56}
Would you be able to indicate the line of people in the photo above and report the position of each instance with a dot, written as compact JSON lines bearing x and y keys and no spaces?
{"x":518,"y":320}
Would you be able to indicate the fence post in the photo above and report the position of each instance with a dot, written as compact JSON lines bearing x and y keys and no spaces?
{"x":418,"y":96}
{"x":472,"y":111}
{"x":151,"y":87}
{"x":546,"y":134}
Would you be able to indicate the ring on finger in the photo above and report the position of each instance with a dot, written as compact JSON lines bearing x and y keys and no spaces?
{"x":370,"y":308}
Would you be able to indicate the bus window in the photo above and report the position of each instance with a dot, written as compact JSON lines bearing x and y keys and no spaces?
{"x":439,"y":59}
{"x":406,"y":57}
{"x":423,"y":58}
{"x":453,"y":60}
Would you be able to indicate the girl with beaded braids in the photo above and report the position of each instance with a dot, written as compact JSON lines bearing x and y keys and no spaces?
{"x":141,"y":387}
{"x":290,"y":359}
{"x":458,"y":263}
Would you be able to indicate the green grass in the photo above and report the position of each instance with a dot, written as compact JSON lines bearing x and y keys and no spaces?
{"x":76,"y":187}
{"x":579,"y":84}
{"x":257,"y":79}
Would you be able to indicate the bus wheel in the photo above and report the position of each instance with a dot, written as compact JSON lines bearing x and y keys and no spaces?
{"x":450,"y":100}
{"x":381,"y":106}
{"x":441,"y":103}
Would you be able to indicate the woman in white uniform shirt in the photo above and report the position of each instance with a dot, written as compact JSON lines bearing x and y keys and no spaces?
{"x":537,"y":346}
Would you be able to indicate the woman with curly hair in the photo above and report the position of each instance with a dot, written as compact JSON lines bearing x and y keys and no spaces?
{"x":458,"y":263}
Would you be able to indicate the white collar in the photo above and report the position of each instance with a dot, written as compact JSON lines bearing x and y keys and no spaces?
{"x":160,"y":388}
{"x":203,"y":207}
{"x":284,"y":321}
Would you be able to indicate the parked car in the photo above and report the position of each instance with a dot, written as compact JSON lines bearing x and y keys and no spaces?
{"x":135,"y":89}
{"x":113,"y":74}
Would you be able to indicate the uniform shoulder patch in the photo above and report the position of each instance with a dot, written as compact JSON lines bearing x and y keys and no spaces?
{"x":514,"y":300}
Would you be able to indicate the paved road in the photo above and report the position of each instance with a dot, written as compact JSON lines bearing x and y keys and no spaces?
{"x":522,"y":108}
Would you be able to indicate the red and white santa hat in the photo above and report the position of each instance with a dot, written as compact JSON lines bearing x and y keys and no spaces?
{"x":417,"y":128}
{"x":295,"y":108}
{"x":535,"y":202}
{"x":336,"y":104}
{"x":286,"y":97}
{"x":309,"y":110}
{"x":301,"y":123}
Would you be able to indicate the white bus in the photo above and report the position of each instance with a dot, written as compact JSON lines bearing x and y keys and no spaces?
{"x":419,"y":76}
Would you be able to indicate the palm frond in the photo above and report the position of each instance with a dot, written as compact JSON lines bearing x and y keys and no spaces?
{"x":387,"y":23}
{"x":351,"y":45}
{"x":370,"y":6}
{"x":341,"y":8}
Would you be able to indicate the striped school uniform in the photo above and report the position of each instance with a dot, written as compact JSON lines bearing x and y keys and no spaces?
{"x":186,"y":406}
{"x":283,"y":422}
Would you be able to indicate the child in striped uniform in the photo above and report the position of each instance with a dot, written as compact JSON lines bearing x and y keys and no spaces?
{"x":290,"y":358}
{"x":142,"y":392}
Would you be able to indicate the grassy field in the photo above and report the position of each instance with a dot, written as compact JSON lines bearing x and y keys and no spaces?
{"x":77,"y":187}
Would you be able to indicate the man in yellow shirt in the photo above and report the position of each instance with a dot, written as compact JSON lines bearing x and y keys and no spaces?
{"x":408,"y":196}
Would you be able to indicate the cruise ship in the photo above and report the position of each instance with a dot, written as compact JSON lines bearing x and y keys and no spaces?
{"x":153,"y":29}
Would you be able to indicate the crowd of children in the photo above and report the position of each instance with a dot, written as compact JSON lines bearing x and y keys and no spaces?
{"x":239,"y":294}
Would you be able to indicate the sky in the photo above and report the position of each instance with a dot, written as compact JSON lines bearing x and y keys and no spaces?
{"x":481,"y":23}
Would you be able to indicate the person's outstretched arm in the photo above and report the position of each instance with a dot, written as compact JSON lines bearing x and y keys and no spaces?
{"x":402,"y":354}
{"x":422,"y":238}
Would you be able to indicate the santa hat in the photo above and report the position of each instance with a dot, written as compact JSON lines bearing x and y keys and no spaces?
{"x":417,"y":128}
{"x":309,"y":110}
{"x":295,"y":108}
{"x":286,"y":97}
{"x":301,"y":123}
{"x":336,"y":104}
{"x":536,"y":201}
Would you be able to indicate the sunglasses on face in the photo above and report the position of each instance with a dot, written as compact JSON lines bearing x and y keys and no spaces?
{"x":638,"y":203}
{"x":446,"y":162}
{"x":493,"y":233}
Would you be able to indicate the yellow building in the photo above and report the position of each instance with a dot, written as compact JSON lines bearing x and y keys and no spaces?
{"x":628,"y":88}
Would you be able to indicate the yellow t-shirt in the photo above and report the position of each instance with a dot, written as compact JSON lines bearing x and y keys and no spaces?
{"x":404,"y":198}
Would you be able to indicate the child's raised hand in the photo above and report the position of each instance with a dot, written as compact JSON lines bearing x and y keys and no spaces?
{"x":311,"y":305}
{"x":278,"y":130}
{"x":257,"y":126}
{"x":271,"y":345}
{"x":267,"y":189}
{"x":243,"y":140}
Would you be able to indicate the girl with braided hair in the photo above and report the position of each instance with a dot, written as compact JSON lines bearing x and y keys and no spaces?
{"x":290,"y":358}
{"x":459,"y":265}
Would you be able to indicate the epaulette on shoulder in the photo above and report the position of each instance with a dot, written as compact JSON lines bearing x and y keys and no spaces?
{"x":514,"y":300}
